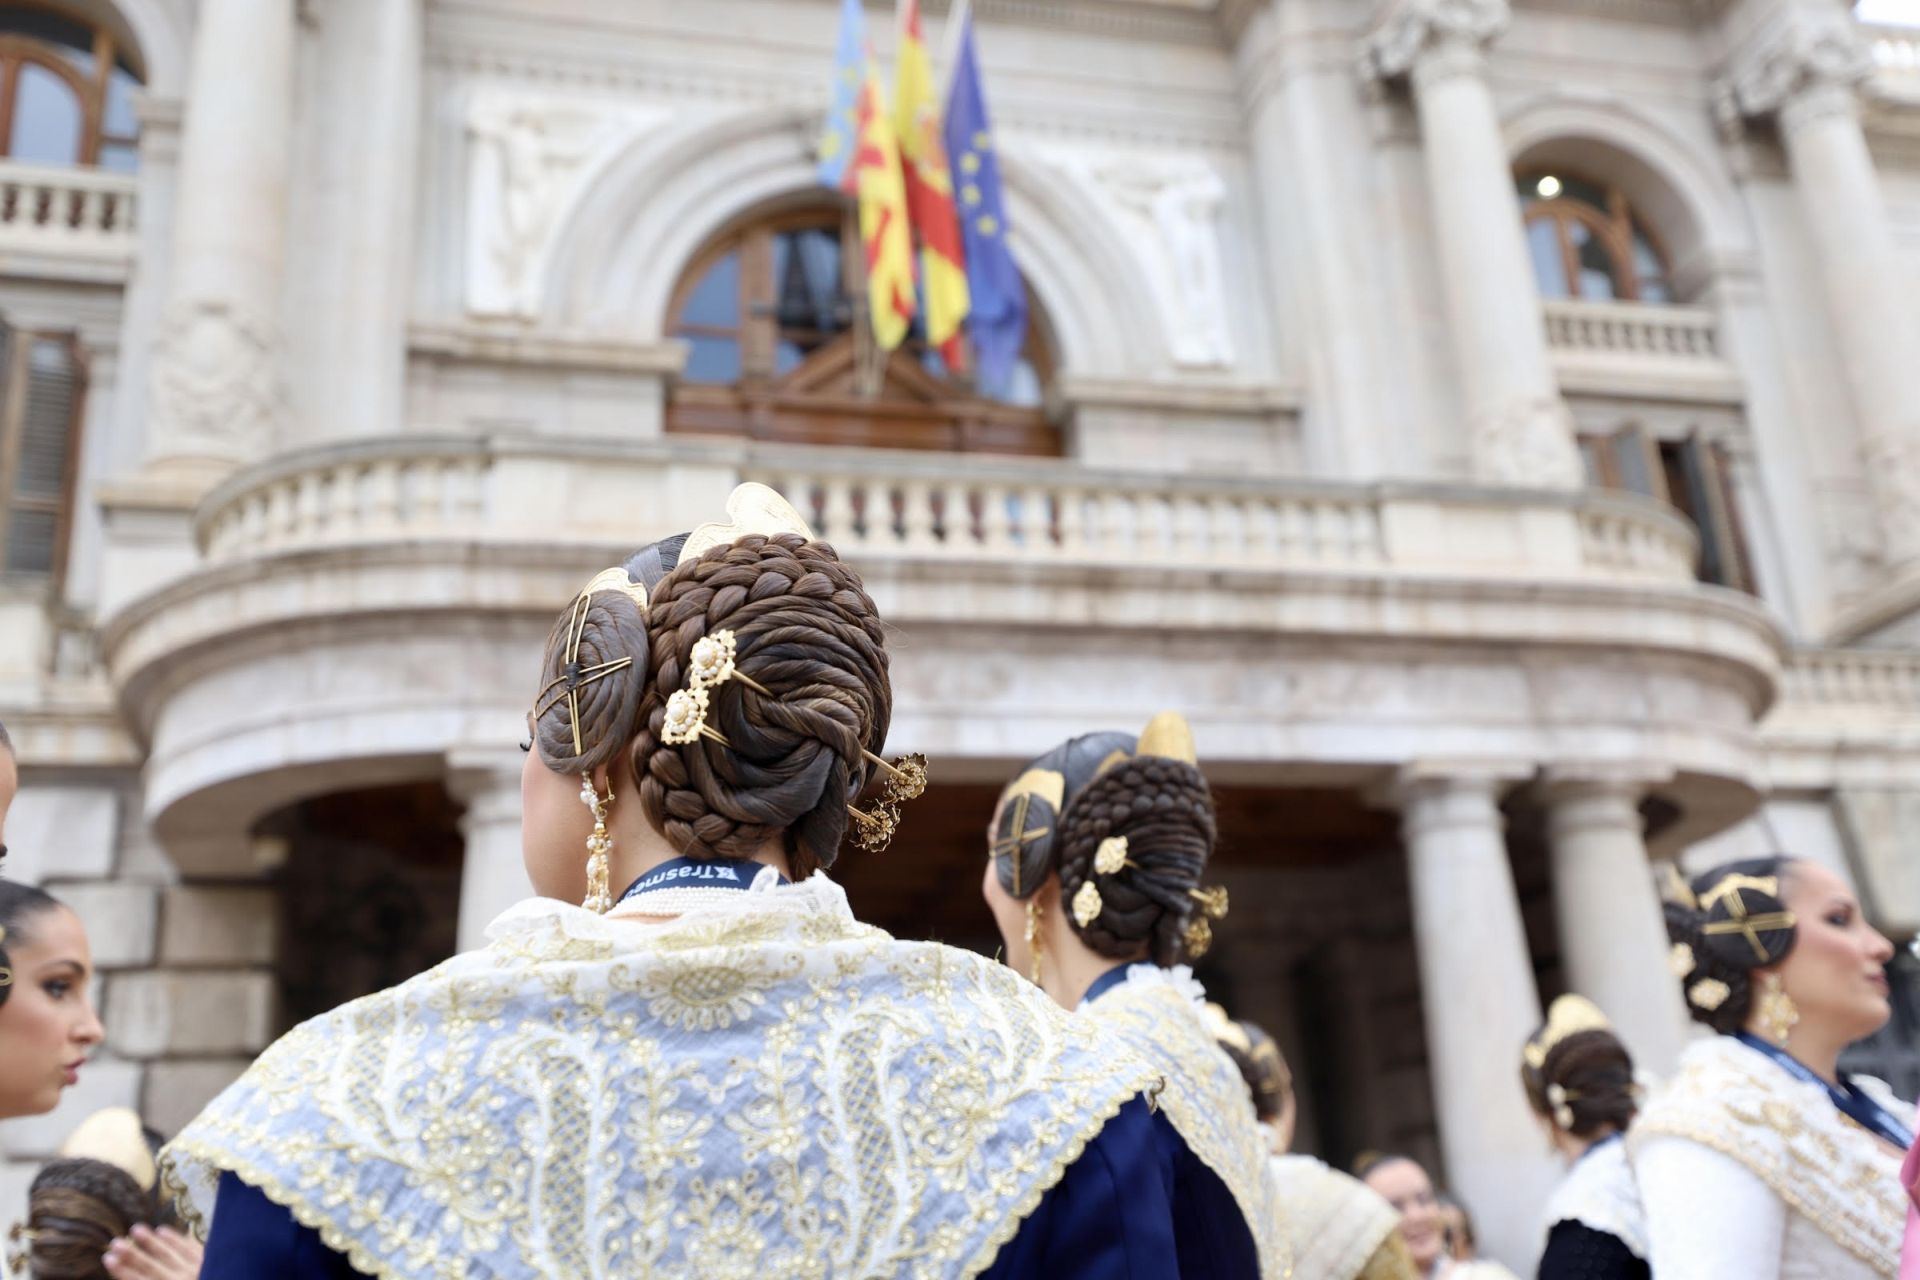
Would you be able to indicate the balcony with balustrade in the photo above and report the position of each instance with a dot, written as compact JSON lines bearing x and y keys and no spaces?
{"x":66,"y":222}
{"x":362,"y":603}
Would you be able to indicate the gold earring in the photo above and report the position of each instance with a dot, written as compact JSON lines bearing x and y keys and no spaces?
{"x":1777,"y":1013}
{"x":1033,"y":938}
{"x":599,"y":845}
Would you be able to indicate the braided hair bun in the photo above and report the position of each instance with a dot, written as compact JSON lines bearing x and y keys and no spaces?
{"x":1164,"y":811}
{"x":75,"y":1209}
{"x":1128,"y":828}
{"x":1731,"y":922}
{"x":1577,"y":1073}
{"x":593,"y":675}
{"x":808,"y":635}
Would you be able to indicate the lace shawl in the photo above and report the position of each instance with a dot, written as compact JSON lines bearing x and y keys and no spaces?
{"x":761,"y":1088}
{"x":1599,"y":1192}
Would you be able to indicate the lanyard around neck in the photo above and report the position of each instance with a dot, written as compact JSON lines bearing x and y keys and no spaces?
{"x":1847,"y":1096}
{"x":693,"y":873}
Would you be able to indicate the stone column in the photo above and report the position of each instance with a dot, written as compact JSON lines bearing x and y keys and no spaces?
{"x":493,"y":877}
{"x":351,"y":284}
{"x":215,"y":398}
{"x":1479,"y":999}
{"x":1521,"y":430}
{"x":1612,"y":938}
{"x":1802,"y":71}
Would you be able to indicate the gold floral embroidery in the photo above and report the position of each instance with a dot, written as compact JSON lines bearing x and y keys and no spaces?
{"x":1206,"y":1099}
{"x":772,"y":1090}
{"x":1732,"y":1100}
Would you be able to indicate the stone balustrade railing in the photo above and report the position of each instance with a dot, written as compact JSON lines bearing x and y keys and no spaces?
{"x":1632,"y":330}
{"x":75,"y":212}
{"x":882,"y":505}
{"x":1895,"y":49}
{"x":1886,"y":681}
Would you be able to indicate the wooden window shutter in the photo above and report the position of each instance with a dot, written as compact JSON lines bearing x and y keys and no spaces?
{"x":39,"y":450}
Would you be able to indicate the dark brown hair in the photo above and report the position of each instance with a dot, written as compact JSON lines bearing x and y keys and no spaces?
{"x":1727,"y":957}
{"x":808,"y":633}
{"x":1165,"y":810}
{"x":1262,"y":1067}
{"x":1596,"y":1072}
{"x":76,"y":1208}
{"x":19,"y":903}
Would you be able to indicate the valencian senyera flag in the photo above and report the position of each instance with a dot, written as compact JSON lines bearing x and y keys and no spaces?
{"x":849,"y":73}
{"x":998,"y":297}
{"x":884,"y":232}
{"x":923,"y":157}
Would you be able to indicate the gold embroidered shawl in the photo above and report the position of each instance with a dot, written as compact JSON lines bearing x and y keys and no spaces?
{"x":1788,"y":1133}
{"x":1157,"y":1012}
{"x":759,"y":1089}
{"x":1335,"y":1223}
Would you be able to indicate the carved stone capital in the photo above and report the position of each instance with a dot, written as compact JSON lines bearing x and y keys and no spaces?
{"x":1796,"y":59}
{"x":1410,"y":32}
{"x":215,"y":384}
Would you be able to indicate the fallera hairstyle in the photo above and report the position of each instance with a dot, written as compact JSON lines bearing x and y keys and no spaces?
{"x":1576,"y":1072}
{"x":76,"y":1208}
{"x":1128,"y":830}
{"x":1727,"y":923}
{"x":814,"y":693}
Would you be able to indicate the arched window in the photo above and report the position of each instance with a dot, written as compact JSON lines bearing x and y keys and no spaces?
{"x":1587,"y":243}
{"x":66,"y":91}
{"x":772,"y":312}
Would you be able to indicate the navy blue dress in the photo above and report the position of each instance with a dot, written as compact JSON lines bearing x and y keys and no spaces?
{"x":1136,"y":1205}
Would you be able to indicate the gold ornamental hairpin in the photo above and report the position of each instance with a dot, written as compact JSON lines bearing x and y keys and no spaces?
{"x":712,"y":662}
{"x":1731,"y":889}
{"x":1568,"y":1016}
{"x":573,"y":677}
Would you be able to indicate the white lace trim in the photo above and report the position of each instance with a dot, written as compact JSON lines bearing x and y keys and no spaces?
{"x":1599,"y":1192}
{"x":1179,"y":977}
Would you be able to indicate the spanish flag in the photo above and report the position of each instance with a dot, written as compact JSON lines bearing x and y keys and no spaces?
{"x":923,"y":153}
{"x":884,"y":229}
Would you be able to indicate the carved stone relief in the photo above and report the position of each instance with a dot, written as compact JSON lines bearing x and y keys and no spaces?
{"x":1412,"y":27}
{"x":1528,"y":443}
{"x":1167,"y":211}
{"x":528,"y":160}
{"x":1799,"y":54}
{"x":215,"y":390}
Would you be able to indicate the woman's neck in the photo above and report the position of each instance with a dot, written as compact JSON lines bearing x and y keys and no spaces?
{"x":1812,"y":1047}
{"x":638,"y":848}
{"x":1069,"y":966}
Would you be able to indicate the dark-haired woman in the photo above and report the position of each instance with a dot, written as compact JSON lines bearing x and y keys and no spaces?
{"x":710,"y":1069}
{"x":1336,"y":1227}
{"x":1579,"y":1081}
{"x":47,"y":1022}
{"x":1096,"y":852}
{"x":1761,"y":1159}
{"x":96,"y":1212}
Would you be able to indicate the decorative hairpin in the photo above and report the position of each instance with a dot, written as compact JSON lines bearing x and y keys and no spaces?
{"x":1680,"y":960}
{"x":1568,"y":1016}
{"x":1110,"y":858}
{"x":1731,"y":888}
{"x":1708,"y":994}
{"x":21,"y":1238}
{"x":1558,"y":1097}
{"x":712,"y":662}
{"x":573,"y":677}
{"x":6,"y":974}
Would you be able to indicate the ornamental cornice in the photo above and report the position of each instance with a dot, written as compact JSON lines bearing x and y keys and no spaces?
{"x":1795,"y":58}
{"x":1408,"y":31}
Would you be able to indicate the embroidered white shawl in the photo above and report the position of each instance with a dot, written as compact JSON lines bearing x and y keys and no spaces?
{"x":761,"y":1088}
{"x":1787,"y":1132}
{"x":1334,"y":1223}
{"x":1159,"y":1013}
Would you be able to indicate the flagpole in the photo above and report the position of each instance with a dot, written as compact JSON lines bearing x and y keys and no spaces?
{"x":950,"y":45}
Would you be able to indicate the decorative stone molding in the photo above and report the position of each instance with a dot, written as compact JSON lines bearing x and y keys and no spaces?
{"x":1413,"y":30}
{"x":1167,"y":210}
{"x":216,"y":388}
{"x":1798,"y":55}
{"x":528,"y":160}
{"x":1530,"y":444}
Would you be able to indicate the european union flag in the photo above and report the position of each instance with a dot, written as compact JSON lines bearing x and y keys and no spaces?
{"x":998,"y":322}
{"x":849,"y":63}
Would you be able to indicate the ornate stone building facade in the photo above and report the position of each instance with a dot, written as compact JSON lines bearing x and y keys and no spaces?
{"x":1496,"y":423}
